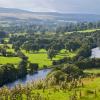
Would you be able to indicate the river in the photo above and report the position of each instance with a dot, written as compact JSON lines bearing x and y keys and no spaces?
{"x":96,"y":52}
{"x":43,"y":73}
{"x":29,"y":78}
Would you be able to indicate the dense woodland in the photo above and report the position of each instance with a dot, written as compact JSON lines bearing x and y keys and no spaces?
{"x":43,"y":28}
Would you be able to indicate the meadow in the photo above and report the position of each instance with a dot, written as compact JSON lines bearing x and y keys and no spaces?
{"x":93,"y":71}
{"x":90,"y":91}
{"x":84,"y":31}
{"x":40,"y":57}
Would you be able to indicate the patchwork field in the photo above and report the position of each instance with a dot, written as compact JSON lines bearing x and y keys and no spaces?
{"x":39,"y":57}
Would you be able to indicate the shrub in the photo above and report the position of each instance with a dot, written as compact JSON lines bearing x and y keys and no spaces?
{"x":58,"y":76}
{"x":72,"y":70}
{"x":33,"y":67}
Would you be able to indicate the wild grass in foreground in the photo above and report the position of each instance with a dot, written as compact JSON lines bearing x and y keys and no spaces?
{"x":82,"y":89}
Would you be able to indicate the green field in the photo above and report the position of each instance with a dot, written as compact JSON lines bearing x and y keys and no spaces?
{"x":12,"y":60}
{"x":93,"y":71}
{"x":83,"y":31}
{"x":87,"y":92}
{"x":89,"y":30}
{"x":39,"y":57}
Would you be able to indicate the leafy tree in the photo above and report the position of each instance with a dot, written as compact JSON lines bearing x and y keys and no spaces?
{"x":51,"y":53}
{"x":22,"y":68}
{"x":33,"y":67}
{"x":8,"y":73}
{"x":72,"y":70}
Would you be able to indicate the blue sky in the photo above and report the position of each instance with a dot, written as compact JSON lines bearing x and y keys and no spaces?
{"x":64,"y":6}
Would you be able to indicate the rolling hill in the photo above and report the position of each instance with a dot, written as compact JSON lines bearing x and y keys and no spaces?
{"x":15,"y":15}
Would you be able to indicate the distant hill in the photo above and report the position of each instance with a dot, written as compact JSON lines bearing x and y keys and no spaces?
{"x":13,"y":15}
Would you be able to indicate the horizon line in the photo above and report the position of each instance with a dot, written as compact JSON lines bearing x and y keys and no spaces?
{"x":49,"y":11}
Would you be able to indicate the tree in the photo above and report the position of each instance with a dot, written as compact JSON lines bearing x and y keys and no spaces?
{"x":72,"y":45}
{"x":8,"y":73}
{"x":98,"y":42}
{"x":57,"y":76}
{"x":22,"y":56}
{"x":22,"y":68}
{"x":33,"y":67}
{"x":3,"y":51}
{"x":84,"y":51}
{"x":51,"y":53}
{"x":72,"y":70}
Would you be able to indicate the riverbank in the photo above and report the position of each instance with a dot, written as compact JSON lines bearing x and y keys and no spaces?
{"x":88,"y":90}
{"x":41,"y":74}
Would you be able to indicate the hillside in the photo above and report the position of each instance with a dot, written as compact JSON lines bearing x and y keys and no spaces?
{"x":13,"y":15}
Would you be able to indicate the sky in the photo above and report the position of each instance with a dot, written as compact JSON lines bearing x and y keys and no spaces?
{"x":63,"y":6}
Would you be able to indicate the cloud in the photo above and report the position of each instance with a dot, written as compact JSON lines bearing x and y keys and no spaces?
{"x":68,"y":6}
{"x":33,"y":5}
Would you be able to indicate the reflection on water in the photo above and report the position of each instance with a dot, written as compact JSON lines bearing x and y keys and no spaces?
{"x":96,"y":52}
{"x":29,"y":78}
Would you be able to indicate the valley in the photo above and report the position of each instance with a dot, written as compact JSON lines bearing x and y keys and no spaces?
{"x":49,"y":55}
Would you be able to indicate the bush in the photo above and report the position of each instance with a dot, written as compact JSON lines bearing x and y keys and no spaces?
{"x":90,"y":92}
{"x":89,"y":63}
{"x":58,"y":76}
{"x":55,"y":62}
{"x":10,"y":54}
{"x":33,"y":67}
{"x":8,"y":73}
{"x":45,"y":66}
{"x":72,"y":70}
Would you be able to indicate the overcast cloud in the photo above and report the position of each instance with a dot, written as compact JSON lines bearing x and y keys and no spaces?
{"x":67,"y":6}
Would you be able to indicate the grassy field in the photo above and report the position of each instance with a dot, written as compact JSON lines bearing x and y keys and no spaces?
{"x":51,"y":95}
{"x":12,"y":60}
{"x":90,"y":91}
{"x":40,"y":57}
{"x":93,"y":71}
{"x":89,"y":30}
{"x":84,"y":31}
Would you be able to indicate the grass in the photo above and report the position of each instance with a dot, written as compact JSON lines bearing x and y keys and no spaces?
{"x":90,"y":84}
{"x":68,"y":53}
{"x":12,"y":60}
{"x":84,"y":31}
{"x":89,"y":91}
{"x":40,"y":57}
{"x":93,"y":71}
{"x":6,"y":39}
{"x":53,"y":95}
{"x":89,"y":30}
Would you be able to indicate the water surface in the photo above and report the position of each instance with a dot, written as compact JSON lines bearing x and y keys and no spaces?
{"x":29,"y":78}
{"x":95,"y":53}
